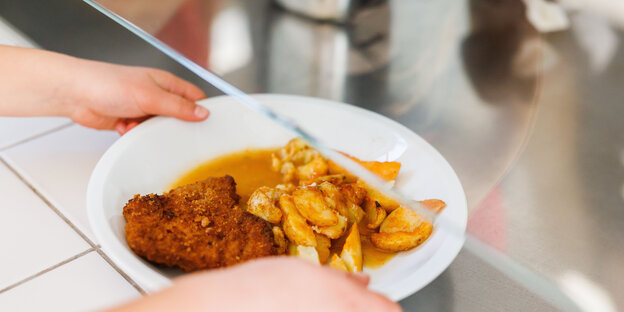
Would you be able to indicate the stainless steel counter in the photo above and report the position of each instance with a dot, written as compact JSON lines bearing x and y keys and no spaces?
{"x":531,"y":123}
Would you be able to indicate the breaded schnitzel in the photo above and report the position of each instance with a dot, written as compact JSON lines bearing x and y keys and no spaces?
{"x":196,"y":226}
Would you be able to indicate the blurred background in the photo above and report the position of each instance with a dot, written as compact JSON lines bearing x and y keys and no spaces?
{"x":525,"y":99}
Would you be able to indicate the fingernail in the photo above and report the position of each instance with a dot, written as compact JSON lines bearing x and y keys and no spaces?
{"x":120,"y":127}
{"x":201,"y":112}
{"x":131,"y":126}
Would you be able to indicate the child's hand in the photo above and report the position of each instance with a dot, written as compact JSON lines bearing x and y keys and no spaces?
{"x":106,"y":96}
{"x":94,"y":94}
{"x":268,"y":284}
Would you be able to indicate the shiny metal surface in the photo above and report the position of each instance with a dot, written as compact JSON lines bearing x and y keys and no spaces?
{"x":564,"y":199}
{"x":418,"y":78}
{"x":447,"y":81}
{"x":330,"y":10}
{"x":532,"y":124}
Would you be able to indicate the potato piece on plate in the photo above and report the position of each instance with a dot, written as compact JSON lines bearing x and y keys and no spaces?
{"x":295,"y":226}
{"x":434,"y":205}
{"x":337,"y":263}
{"x":311,"y":204}
{"x":312,"y":170}
{"x":287,"y":204}
{"x":280,"y":239}
{"x":276,"y":162}
{"x":333,"y":197}
{"x":353,"y":193}
{"x":333,"y":179}
{"x":281,"y":189}
{"x":333,"y":231}
{"x":298,"y":231}
{"x":354,"y":196}
{"x":401,"y":241}
{"x":375,"y":215}
{"x":305,"y":252}
{"x":334,"y":168}
{"x":297,"y":161}
{"x":323,"y":243}
{"x":352,"y":250}
{"x":355,"y":213}
{"x":296,"y":150}
{"x":262,"y":204}
{"x":385,"y":202}
{"x":289,"y":172}
{"x":386,"y":170}
{"x":402,"y":219}
{"x":292,"y":249}
{"x":304,"y":155}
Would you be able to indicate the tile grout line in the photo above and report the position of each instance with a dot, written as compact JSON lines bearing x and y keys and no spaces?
{"x":66,"y":261}
{"x":73,"y":226}
{"x":122,"y":273}
{"x":36,"y":136}
{"x":47,"y":202}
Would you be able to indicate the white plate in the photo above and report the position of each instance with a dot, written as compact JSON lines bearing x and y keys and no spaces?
{"x":151,"y":157}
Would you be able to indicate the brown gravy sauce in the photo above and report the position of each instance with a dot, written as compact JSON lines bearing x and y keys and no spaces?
{"x":250,"y":169}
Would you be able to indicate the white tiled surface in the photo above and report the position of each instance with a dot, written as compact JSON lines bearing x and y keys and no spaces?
{"x":59,"y":165}
{"x":45,"y":265}
{"x":32,"y":236}
{"x":85,"y":284}
{"x":14,"y":130}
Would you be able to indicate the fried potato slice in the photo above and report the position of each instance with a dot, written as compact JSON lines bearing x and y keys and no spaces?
{"x":312,"y":170}
{"x":297,"y":161}
{"x":299,"y":232}
{"x":262,"y":204}
{"x":284,"y":189}
{"x":401,"y":241}
{"x":287,"y":204}
{"x":304,"y":252}
{"x":295,"y":226}
{"x":303,"y":153}
{"x":355,"y":213}
{"x":292,"y":250}
{"x":337,"y":263}
{"x":323,"y":243}
{"x":385,"y":202}
{"x":353,"y":192}
{"x":333,"y":231}
{"x":375,"y":215}
{"x":354,"y":196}
{"x":335,"y":179}
{"x":333,"y":197}
{"x":276,"y":162}
{"x":295,"y":150}
{"x":402,"y":219}
{"x":386,"y":170}
{"x":311,"y":205}
{"x":352,"y":250}
{"x":289,"y":172}
{"x":280,"y":239}
{"x":434,"y":205}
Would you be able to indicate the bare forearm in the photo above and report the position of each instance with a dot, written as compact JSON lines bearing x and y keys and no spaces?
{"x":94,"y":94}
{"x":34,"y":82}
